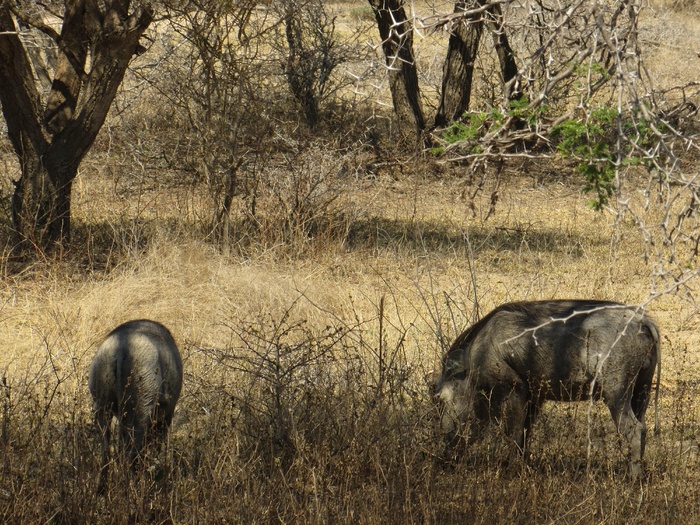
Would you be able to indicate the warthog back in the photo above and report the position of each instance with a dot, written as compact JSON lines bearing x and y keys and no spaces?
{"x":136,"y":376}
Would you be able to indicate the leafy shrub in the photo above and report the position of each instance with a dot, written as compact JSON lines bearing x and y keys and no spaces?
{"x":602,"y":143}
{"x":475,"y":125}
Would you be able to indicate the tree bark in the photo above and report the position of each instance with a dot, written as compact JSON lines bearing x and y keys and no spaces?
{"x":396,"y":33}
{"x":51,"y":139}
{"x":41,"y":202}
{"x":506,"y":56}
{"x":458,"y":69}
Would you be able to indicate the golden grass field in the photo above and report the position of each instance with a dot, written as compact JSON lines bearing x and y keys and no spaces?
{"x":409,"y":258}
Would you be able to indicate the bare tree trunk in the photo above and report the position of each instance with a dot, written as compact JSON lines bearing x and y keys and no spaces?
{"x":458,"y":69}
{"x":223,"y":223}
{"x":506,"y":56}
{"x":223,"y":220}
{"x":397,"y":43}
{"x":41,"y":203}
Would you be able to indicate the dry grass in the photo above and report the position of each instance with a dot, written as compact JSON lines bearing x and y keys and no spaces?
{"x":305,"y":353}
{"x":296,"y":407}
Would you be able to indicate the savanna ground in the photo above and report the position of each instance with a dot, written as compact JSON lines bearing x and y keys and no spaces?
{"x":306,"y":352}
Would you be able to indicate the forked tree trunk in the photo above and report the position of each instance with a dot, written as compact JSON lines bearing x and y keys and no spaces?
{"x":396,"y":33}
{"x":458,"y":69}
{"x":506,"y":55}
{"x":41,"y":212}
{"x":51,"y":138}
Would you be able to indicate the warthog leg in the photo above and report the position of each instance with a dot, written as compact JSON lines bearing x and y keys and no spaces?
{"x":103,"y":420}
{"x":634,"y":432}
{"x":510,"y":405}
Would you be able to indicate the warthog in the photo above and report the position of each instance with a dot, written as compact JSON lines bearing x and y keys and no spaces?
{"x":504,"y":367}
{"x":136,"y":376}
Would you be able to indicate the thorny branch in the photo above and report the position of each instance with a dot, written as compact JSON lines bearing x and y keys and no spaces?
{"x":574,"y":59}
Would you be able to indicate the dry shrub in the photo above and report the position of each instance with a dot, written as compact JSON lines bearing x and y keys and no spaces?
{"x":288,"y":423}
{"x":298,"y":200}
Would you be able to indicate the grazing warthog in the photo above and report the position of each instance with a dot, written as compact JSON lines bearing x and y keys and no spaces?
{"x":136,"y":376}
{"x":504,"y":367}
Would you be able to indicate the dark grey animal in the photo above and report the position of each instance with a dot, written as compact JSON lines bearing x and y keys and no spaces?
{"x":504,"y":367}
{"x":136,"y":376}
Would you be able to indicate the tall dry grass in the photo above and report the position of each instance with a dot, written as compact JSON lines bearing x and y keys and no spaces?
{"x":305,"y":398}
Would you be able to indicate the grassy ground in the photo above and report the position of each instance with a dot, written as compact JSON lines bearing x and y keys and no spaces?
{"x":305,"y":355}
{"x":304,"y":393}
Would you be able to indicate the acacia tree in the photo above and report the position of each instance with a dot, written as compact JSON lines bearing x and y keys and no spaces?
{"x":51,"y":132}
{"x":589,"y":96}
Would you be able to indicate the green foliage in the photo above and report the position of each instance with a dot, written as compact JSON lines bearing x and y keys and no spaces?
{"x":590,"y":142}
{"x":468,"y":130}
{"x":473,"y":126}
{"x":603,"y":142}
{"x":520,"y":109}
